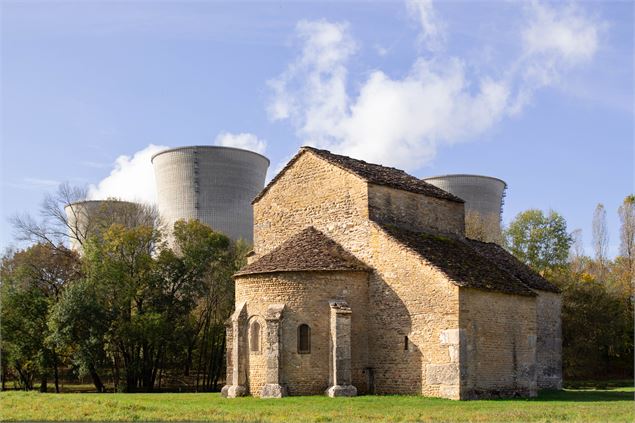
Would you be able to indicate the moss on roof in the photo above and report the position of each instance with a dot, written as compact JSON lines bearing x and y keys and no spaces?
{"x":505,"y":260}
{"x":371,"y":173}
{"x":309,"y":250}
{"x":459,"y":261}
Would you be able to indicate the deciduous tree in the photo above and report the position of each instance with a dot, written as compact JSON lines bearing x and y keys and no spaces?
{"x":538,"y":240}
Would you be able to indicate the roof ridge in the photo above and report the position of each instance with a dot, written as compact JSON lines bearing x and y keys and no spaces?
{"x":372,"y":173}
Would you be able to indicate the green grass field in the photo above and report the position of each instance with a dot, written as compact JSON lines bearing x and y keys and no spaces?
{"x":605,"y":405}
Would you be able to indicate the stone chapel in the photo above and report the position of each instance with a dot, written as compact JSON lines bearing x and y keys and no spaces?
{"x":362,"y":281}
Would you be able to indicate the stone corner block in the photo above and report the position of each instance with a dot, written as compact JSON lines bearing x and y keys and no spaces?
{"x":273,"y":390}
{"x":341,"y":391}
{"x":451,"y":336}
{"x":442,"y":374}
{"x":238,"y":311}
{"x":274,"y":311}
{"x":234,"y":391}
{"x":340,"y":306}
{"x":452,"y":392}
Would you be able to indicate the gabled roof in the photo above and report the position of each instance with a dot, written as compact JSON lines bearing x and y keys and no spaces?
{"x":512,"y":265}
{"x":371,"y":173}
{"x":309,"y":250}
{"x":459,"y":261}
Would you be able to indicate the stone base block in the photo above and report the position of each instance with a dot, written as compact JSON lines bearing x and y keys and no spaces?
{"x":341,"y":391}
{"x":450,"y":392}
{"x":223,"y":392}
{"x":442,"y":374}
{"x":273,"y":390}
{"x":233,"y":391}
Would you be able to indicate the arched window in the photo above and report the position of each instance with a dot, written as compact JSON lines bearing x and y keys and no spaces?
{"x":254,"y":338}
{"x":304,"y":339}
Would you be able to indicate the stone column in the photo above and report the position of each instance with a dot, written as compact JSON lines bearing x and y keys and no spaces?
{"x":238,"y":354}
{"x":228,"y":357}
{"x":340,"y":356}
{"x":273,"y":388}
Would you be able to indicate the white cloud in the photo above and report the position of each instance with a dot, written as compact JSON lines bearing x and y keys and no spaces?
{"x":325,"y":50}
{"x":245,"y":141}
{"x":432,"y":34}
{"x":564,"y":34}
{"x":402,"y":121}
{"x":554,"y":40}
{"x":131,"y":179}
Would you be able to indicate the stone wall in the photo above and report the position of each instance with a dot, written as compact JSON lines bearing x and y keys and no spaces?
{"x":407,"y":297}
{"x":306,"y":297}
{"x":313,"y":192}
{"x":415,"y":212}
{"x":549,"y":344}
{"x":410,"y":298}
{"x":498,"y":344}
{"x":256,"y":360}
{"x":490,"y":350}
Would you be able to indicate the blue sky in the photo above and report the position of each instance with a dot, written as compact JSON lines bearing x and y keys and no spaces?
{"x":539,"y":94}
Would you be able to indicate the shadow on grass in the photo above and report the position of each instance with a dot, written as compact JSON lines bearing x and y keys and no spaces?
{"x":585,"y":395}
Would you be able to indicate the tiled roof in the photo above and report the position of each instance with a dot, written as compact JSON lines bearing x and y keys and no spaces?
{"x":512,"y":265}
{"x":309,"y":250}
{"x":459,"y":261}
{"x":372,"y":173}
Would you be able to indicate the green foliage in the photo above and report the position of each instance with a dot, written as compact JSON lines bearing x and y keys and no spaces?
{"x":597,"y":328}
{"x":23,"y":323}
{"x":540,"y":241}
{"x":133,"y":307}
{"x":597,"y":301}
{"x":149,"y":293}
{"x":32,"y":281}
{"x":78,"y":324}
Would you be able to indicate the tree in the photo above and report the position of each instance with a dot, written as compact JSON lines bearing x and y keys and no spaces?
{"x":212,"y":312}
{"x":54,"y":226}
{"x":32,"y":282}
{"x":148,"y":293}
{"x":597,"y":328}
{"x":120,"y":262}
{"x":600,"y":237}
{"x":64,"y":218}
{"x":627,"y":230}
{"x":79,"y":323}
{"x":540,"y":241}
{"x":576,"y":253}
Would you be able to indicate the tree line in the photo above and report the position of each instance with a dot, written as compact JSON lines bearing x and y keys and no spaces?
{"x":141,"y":306}
{"x":597,"y":291}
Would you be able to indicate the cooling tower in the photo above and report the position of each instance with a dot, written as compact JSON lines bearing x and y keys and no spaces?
{"x":482,"y":194}
{"x":87,"y":218}
{"x":212,"y":184}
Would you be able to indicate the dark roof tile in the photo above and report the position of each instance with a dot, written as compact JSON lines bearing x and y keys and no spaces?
{"x":459,"y":261}
{"x":309,"y":250}
{"x":512,"y":265}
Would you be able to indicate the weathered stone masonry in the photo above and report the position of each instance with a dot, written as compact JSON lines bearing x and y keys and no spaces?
{"x":372,"y":263}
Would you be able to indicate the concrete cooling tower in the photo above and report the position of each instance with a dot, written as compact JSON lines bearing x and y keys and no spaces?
{"x":212,"y":184}
{"x":482,"y":194}
{"x":86,"y":218}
